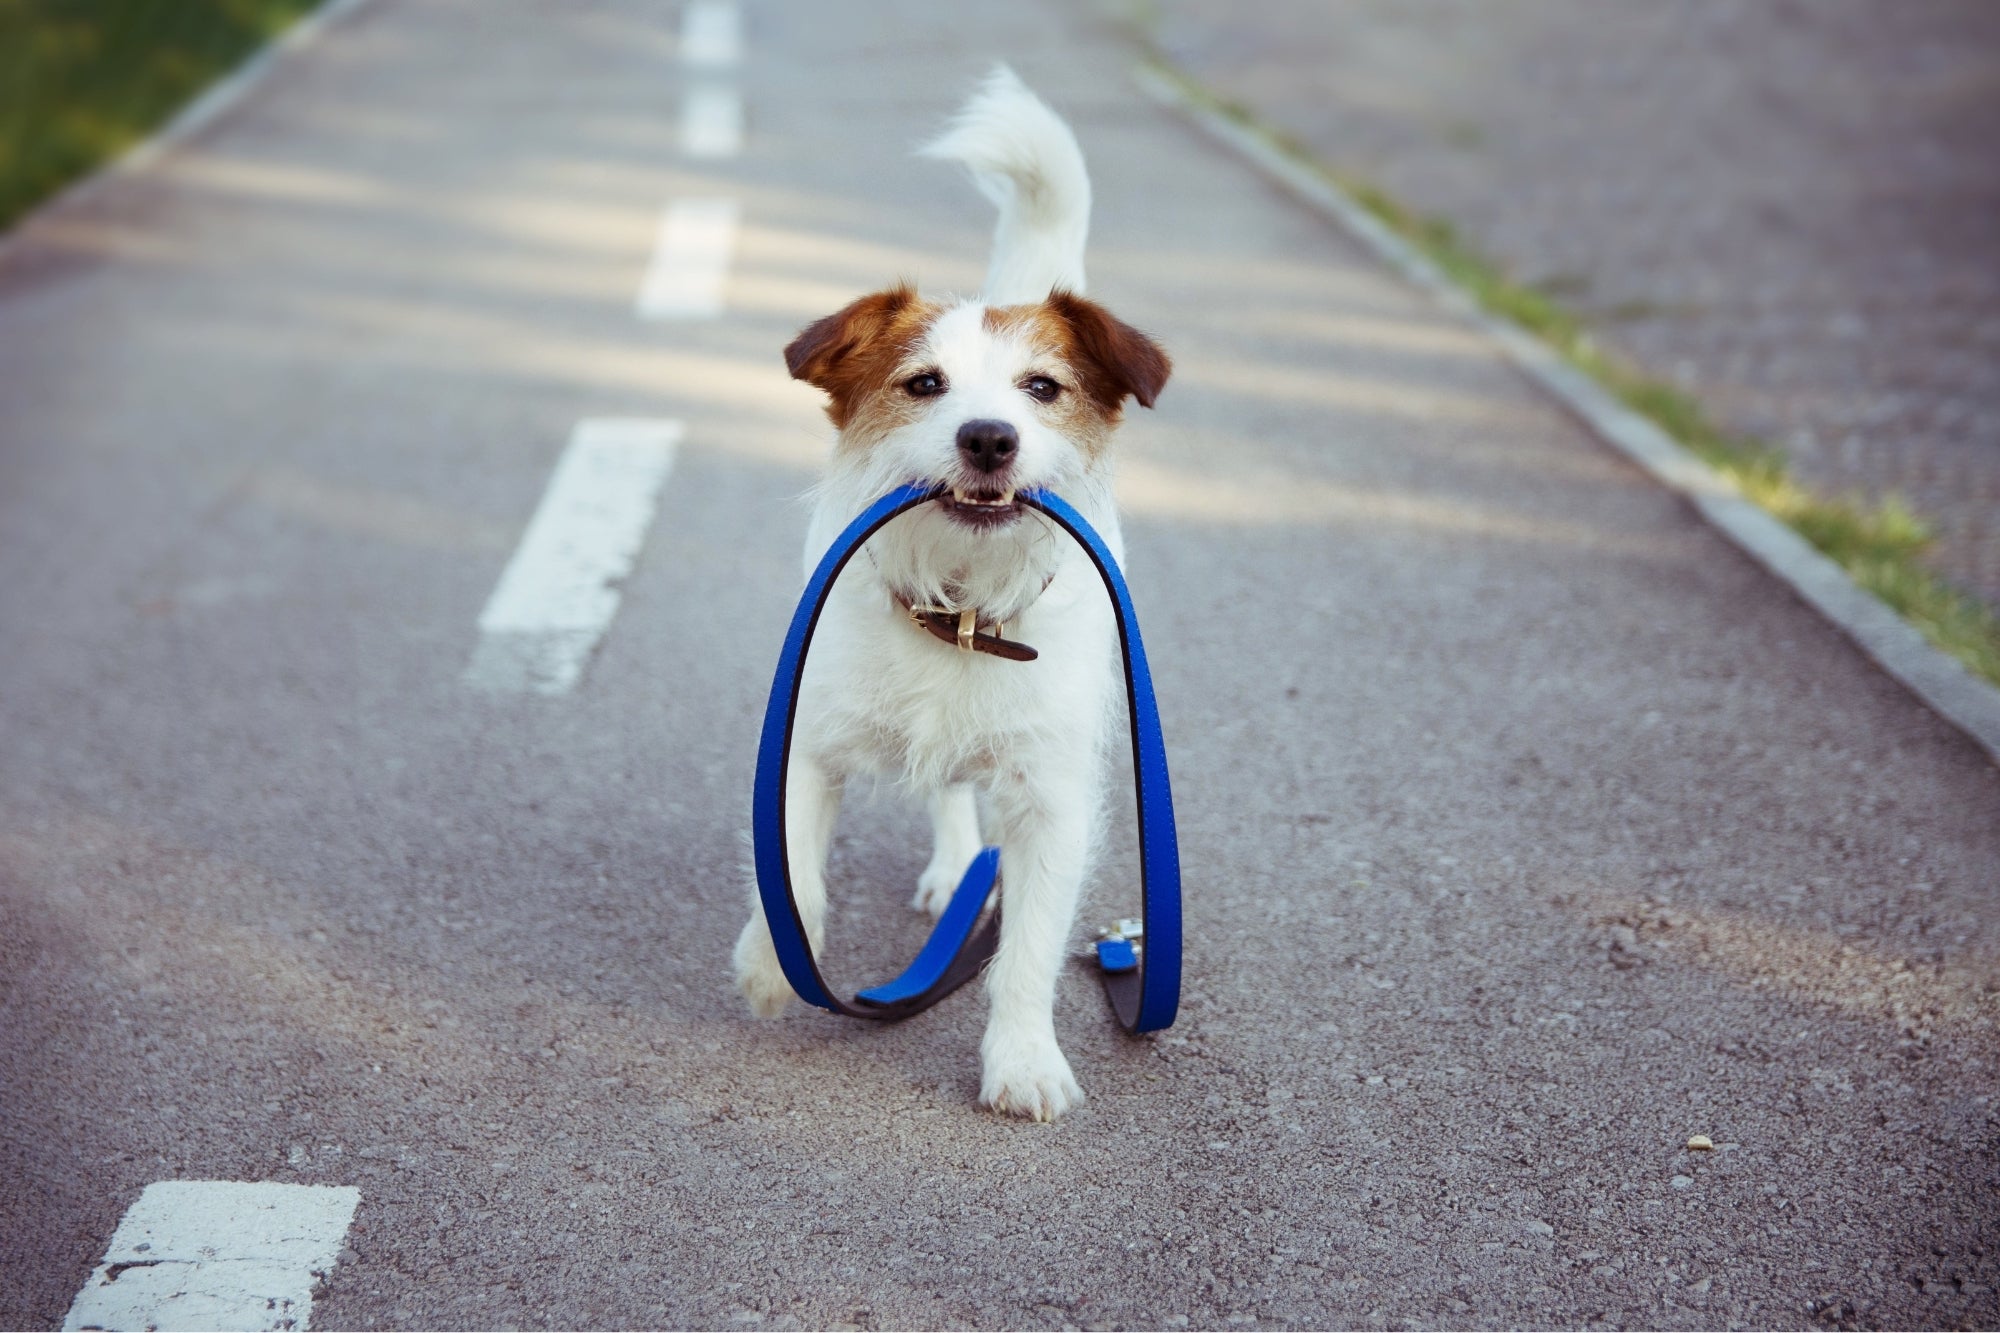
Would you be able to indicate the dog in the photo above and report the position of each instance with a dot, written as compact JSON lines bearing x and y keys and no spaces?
{"x":1020,"y":388}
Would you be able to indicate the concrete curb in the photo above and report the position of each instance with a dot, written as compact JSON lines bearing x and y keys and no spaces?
{"x":191,"y":120}
{"x":1945,"y":686}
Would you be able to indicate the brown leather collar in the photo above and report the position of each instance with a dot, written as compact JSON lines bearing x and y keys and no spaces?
{"x":961,"y":629}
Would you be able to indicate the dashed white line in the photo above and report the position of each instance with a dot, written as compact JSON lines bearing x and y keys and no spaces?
{"x":711,"y":120}
{"x":711,"y":34}
{"x":217,"y":1254}
{"x":559,"y":593}
{"x":690,"y":266}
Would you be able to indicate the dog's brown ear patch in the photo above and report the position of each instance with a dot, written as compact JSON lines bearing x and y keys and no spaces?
{"x":1114,"y":358}
{"x":850,"y":351}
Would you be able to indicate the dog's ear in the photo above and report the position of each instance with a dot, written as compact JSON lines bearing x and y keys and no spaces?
{"x":834,"y":353}
{"x":1116,"y":358}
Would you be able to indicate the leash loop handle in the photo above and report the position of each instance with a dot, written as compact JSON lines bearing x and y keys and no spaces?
{"x":1145,"y":998}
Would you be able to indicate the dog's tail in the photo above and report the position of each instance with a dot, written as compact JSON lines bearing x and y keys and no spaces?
{"x":1024,"y":158}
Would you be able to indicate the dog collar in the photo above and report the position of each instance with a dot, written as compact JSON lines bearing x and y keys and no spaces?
{"x":962,"y":627}
{"x":962,"y":630}
{"x":1141,"y":981}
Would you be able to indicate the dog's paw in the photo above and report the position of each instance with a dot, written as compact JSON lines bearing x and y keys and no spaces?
{"x":935,"y":888}
{"x":1029,"y":1079}
{"x":758,"y":974}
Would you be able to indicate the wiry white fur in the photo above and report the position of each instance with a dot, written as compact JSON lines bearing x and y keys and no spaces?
{"x":883,"y":697}
{"x":1023,"y":157}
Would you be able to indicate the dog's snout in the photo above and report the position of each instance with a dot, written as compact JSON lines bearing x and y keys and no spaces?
{"x":988,"y":445}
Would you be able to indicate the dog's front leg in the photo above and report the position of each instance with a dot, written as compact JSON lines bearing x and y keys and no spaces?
{"x":954,"y":842}
{"x":812,"y":802}
{"x":1044,"y":849}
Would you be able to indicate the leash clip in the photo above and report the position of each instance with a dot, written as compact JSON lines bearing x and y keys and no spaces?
{"x":1117,"y":945}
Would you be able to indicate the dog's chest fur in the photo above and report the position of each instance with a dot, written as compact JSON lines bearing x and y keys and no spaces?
{"x":884,"y":697}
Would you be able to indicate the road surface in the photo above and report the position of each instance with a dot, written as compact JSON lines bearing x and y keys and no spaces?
{"x":1529,"y":830}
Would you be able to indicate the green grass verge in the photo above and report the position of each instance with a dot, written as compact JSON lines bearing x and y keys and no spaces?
{"x":1881,"y":544}
{"x":82,"y":80}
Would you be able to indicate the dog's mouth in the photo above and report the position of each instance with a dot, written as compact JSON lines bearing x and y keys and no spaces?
{"x":981,"y":509}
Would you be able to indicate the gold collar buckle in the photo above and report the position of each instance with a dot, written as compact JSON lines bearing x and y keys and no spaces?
{"x":960,"y":628}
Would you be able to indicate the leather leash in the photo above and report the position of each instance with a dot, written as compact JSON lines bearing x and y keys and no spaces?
{"x":1142,"y":981}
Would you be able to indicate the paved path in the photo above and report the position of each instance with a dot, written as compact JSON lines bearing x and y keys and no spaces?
{"x":1792,"y":209}
{"x":1529,"y":830}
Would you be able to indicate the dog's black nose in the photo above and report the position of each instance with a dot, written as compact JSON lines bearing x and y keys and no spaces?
{"x":988,"y":445}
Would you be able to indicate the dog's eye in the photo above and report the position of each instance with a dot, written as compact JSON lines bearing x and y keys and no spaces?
{"x":927,"y":385}
{"x":1041,"y":388}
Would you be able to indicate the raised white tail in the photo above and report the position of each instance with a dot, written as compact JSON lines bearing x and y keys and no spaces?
{"x":1023,"y":157}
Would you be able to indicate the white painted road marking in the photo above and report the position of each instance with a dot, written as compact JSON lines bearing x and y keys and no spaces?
{"x":690,"y":265}
{"x":711,"y":34}
{"x":217,"y":1254}
{"x":558,"y":594}
{"x":711,"y":121}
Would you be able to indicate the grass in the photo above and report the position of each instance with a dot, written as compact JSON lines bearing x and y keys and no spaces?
{"x":82,"y":80}
{"x":1881,"y":544}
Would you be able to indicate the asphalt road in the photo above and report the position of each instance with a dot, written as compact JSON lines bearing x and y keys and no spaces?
{"x":1528,"y":828}
{"x":1788,"y":210}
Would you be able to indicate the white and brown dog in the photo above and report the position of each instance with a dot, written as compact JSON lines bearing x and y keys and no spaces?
{"x":1019,"y":389}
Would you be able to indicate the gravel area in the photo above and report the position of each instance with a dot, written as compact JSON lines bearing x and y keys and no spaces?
{"x":1792,"y":209}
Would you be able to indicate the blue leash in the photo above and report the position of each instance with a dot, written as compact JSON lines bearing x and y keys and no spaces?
{"x":1143,"y":984}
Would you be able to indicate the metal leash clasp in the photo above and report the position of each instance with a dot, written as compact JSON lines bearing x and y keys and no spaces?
{"x":1118,"y":947}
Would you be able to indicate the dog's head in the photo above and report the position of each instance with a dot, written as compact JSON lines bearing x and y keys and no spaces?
{"x":986,"y":400}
